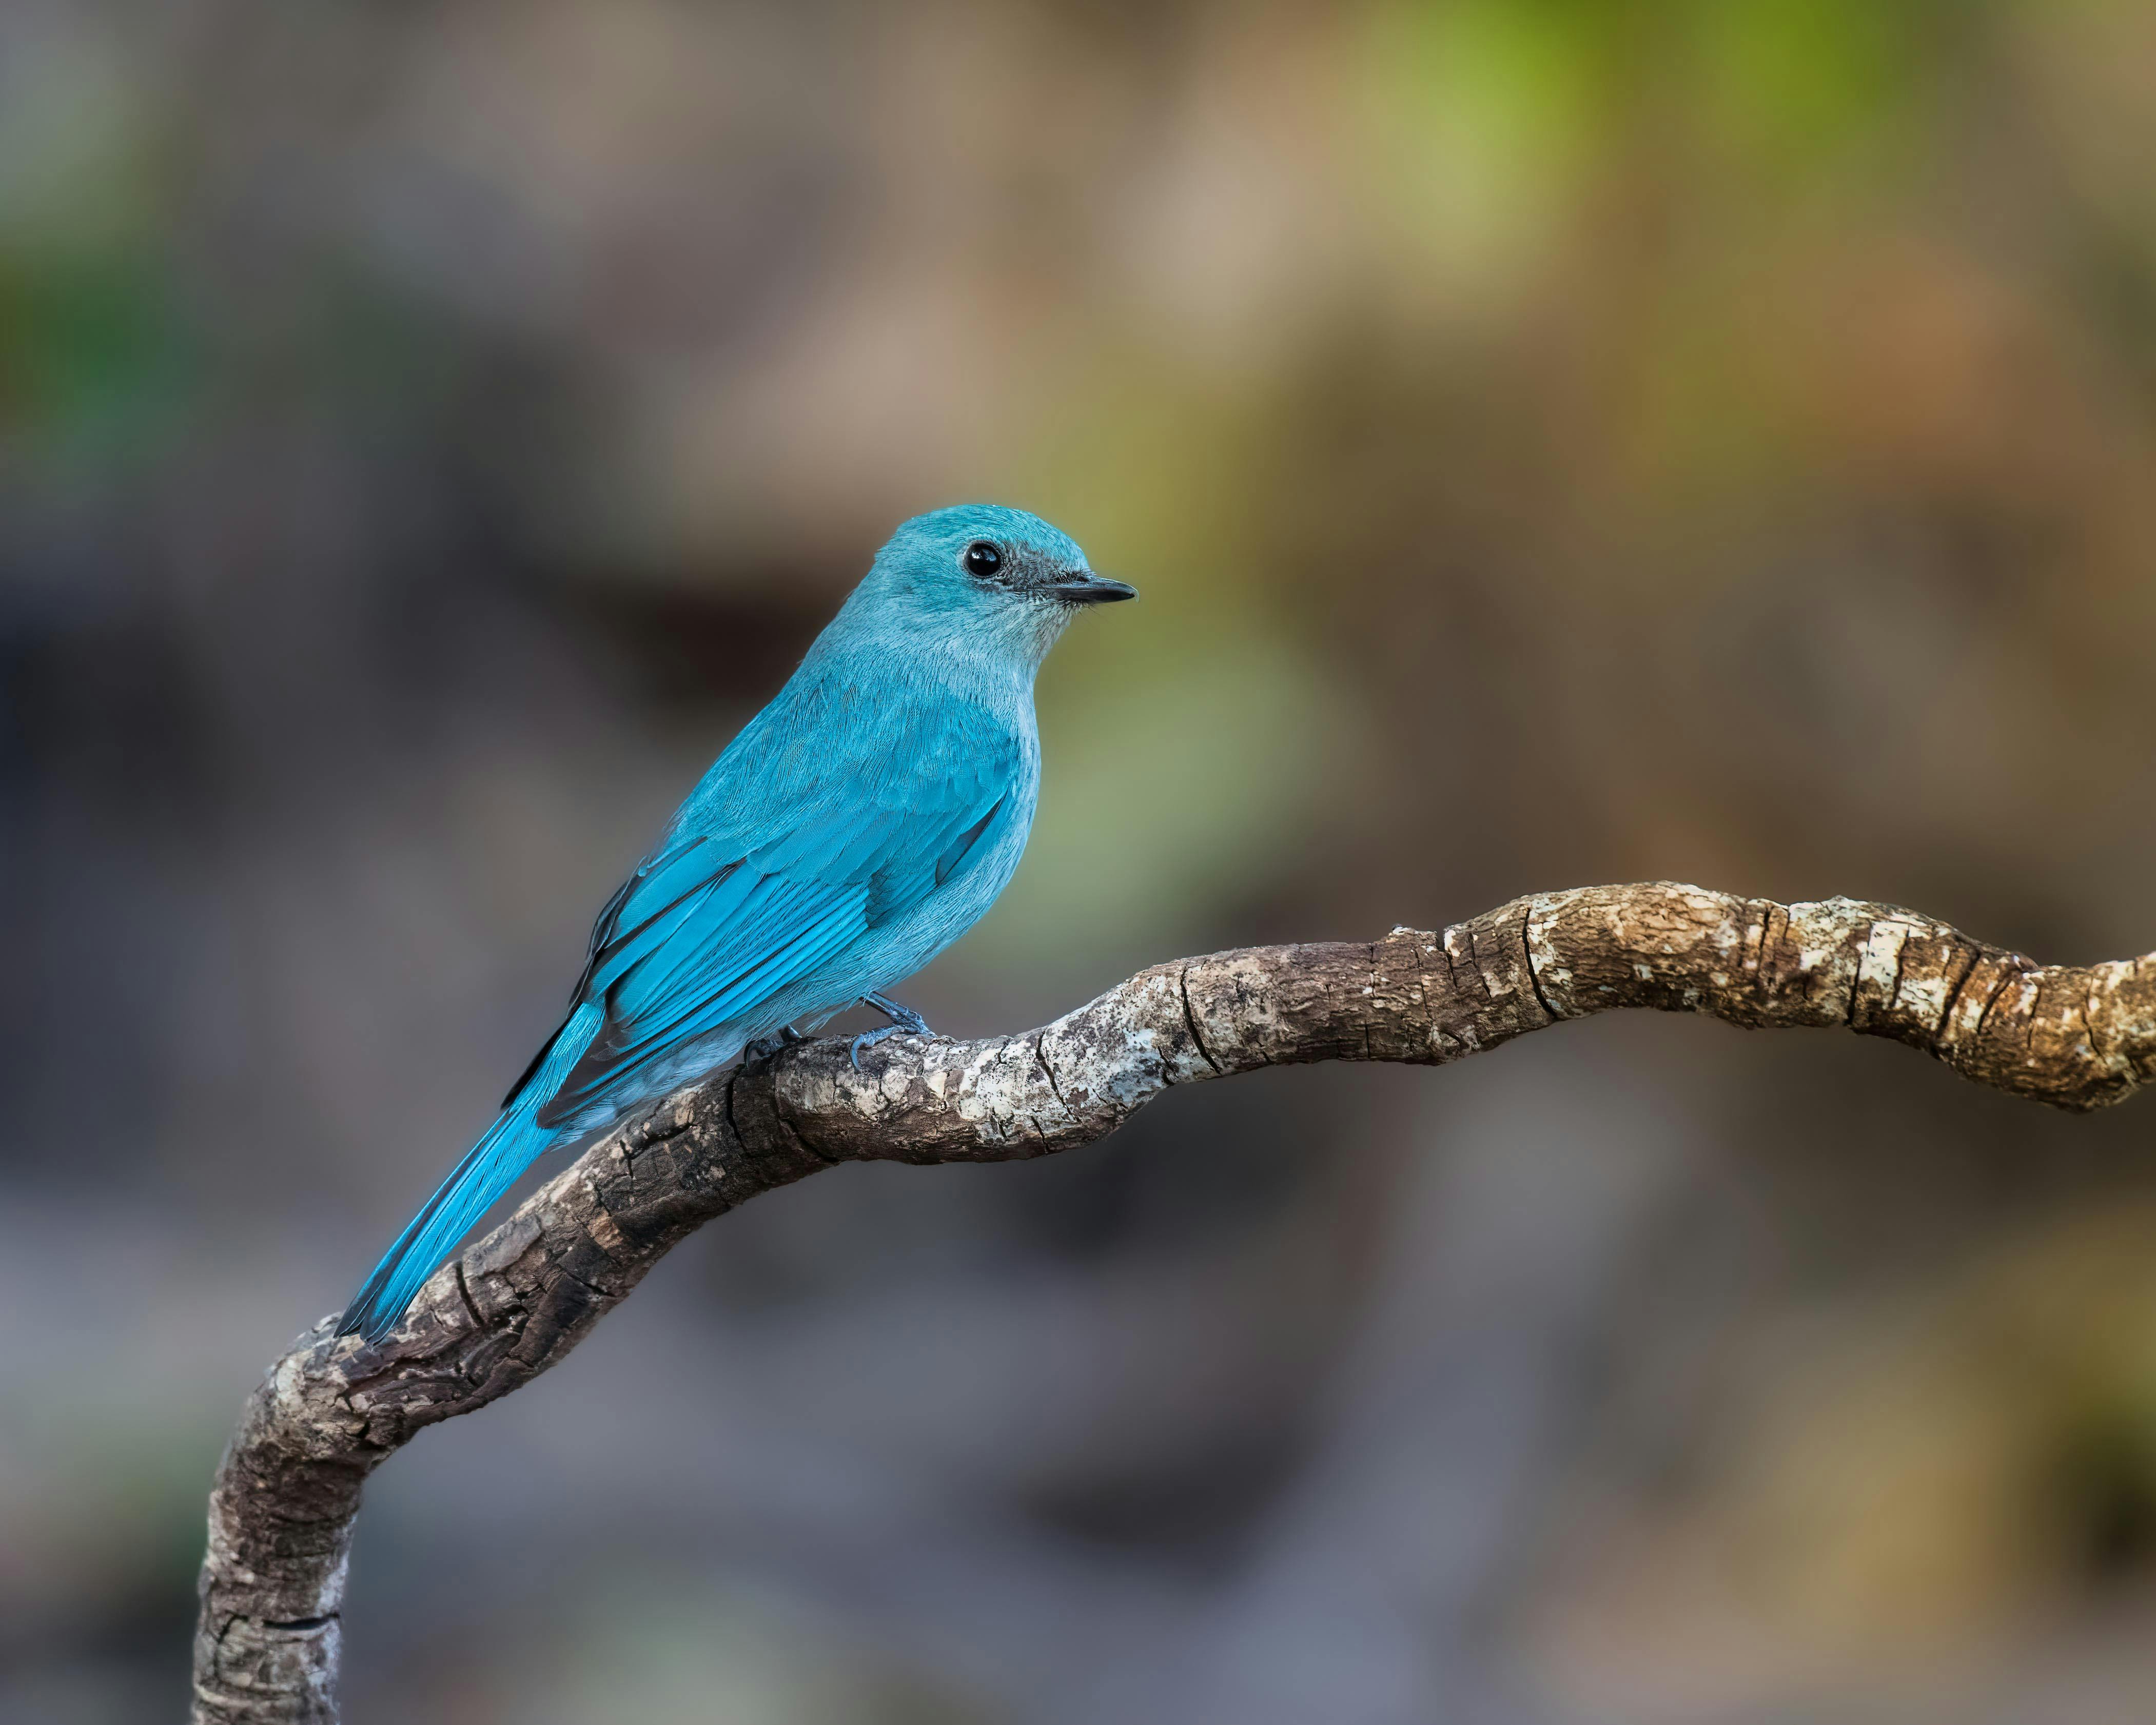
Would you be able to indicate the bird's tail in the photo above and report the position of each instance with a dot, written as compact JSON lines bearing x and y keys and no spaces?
{"x":489,"y":1168}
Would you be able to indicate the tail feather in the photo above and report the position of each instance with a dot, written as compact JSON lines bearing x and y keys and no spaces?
{"x":490,"y":1168}
{"x":487,"y":1171}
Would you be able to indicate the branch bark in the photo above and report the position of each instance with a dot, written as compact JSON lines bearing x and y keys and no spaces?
{"x":282,"y":1510}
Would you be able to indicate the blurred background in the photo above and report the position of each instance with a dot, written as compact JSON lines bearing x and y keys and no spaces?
{"x":1557,"y":442}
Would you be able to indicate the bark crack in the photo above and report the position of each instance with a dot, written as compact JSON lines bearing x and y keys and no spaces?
{"x":1047,"y":1071}
{"x":1190,"y":1020}
{"x":1953,"y":994}
{"x":463,"y":1293}
{"x":1991,"y":999}
{"x":1534,"y":978}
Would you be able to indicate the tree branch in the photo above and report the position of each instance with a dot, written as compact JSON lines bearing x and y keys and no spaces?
{"x":509,"y":1305}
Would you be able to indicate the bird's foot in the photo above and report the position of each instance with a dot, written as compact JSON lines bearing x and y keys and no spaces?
{"x":868,"y":1039}
{"x":902,"y":1018}
{"x":764,"y":1047}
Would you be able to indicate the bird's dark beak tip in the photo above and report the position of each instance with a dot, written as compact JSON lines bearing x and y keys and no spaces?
{"x":1097,"y":590}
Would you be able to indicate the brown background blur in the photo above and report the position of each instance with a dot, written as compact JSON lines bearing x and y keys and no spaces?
{"x":1557,"y":443}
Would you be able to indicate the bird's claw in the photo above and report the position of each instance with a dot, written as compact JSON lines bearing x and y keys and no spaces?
{"x":764,"y":1047}
{"x":868,"y":1039}
{"x":902,"y":1018}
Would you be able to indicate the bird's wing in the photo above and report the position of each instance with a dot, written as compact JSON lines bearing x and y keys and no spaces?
{"x":707,"y":929}
{"x":659,"y":880}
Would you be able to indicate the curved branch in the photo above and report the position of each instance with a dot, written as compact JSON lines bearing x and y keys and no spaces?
{"x":509,"y":1305}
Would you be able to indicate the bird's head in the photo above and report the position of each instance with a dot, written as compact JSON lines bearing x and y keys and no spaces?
{"x":981,"y":578}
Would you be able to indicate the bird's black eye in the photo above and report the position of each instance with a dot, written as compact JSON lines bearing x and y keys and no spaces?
{"x":982,"y":559}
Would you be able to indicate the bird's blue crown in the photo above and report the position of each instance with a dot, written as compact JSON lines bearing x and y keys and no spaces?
{"x":951,"y":528}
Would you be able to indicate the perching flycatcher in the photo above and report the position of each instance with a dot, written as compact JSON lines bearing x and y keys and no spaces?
{"x":858,"y":825}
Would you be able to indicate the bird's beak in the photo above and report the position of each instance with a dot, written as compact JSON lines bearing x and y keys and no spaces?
{"x":1087,"y":589}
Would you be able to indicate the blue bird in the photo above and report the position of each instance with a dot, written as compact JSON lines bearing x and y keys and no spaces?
{"x":856,"y":827}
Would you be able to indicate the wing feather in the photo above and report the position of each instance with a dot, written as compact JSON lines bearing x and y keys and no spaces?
{"x":706,"y":932}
